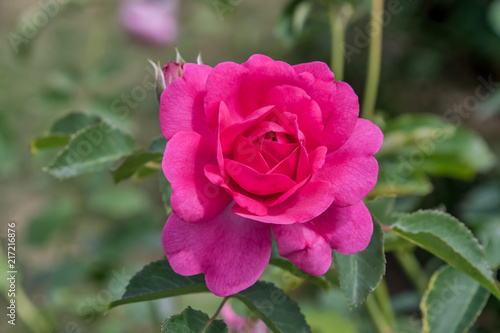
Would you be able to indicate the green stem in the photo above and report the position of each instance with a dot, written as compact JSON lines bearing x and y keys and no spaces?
{"x":337,"y":29}
{"x":374,"y":59}
{"x":377,"y":316}
{"x":412,"y":268}
{"x":216,"y":314}
{"x":384,"y":300}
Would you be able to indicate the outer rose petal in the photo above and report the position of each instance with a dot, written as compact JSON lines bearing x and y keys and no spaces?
{"x":338,"y":102}
{"x":231,"y":251}
{"x":351,"y":169}
{"x":307,"y":203}
{"x":309,"y":245}
{"x":347,"y":229}
{"x":307,"y":249}
{"x":222,"y":85}
{"x":341,"y":120}
{"x":194,"y":197}
{"x":181,"y":105}
{"x":318,"y":69}
{"x":260,"y":80}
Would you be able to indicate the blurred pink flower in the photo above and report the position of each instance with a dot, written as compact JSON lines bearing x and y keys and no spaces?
{"x":151,"y":21}
{"x":236,"y":324}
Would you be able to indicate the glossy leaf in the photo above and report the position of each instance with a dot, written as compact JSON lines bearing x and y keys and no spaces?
{"x":133,"y":163}
{"x":269,"y":303}
{"x":158,"y":145}
{"x":452,"y":302}
{"x":381,"y":208}
{"x":360,"y":273}
{"x":274,"y":308}
{"x":287,"y":265}
{"x":489,"y":236}
{"x":158,"y":280}
{"x":192,"y":321}
{"x":92,"y":149}
{"x":52,"y":141}
{"x":73,"y":122}
{"x":449,"y":239}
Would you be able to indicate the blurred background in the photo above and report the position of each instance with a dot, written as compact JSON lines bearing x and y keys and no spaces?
{"x":81,"y":239}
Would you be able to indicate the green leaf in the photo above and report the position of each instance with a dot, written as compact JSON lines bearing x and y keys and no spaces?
{"x":397,"y":179}
{"x":360,"y":273}
{"x":73,"y":122}
{"x":381,"y":208}
{"x":91,"y":149}
{"x":132,"y":163}
{"x":494,"y":16}
{"x":489,"y":236}
{"x":449,"y":239}
{"x":158,"y":145}
{"x":52,"y":141}
{"x":269,"y":303}
{"x":192,"y":321}
{"x":287,"y":265}
{"x":274,"y":308}
{"x":166,"y":192}
{"x":452,"y":302}
{"x":158,"y":280}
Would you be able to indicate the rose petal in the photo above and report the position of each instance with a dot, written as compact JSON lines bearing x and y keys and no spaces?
{"x":307,"y":249}
{"x":288,"y":166}
{"x":312,"y":200}
{"x":351,"y":169}
{"x":317,"y":158}
{"x":240,"y":196}
{"x":279,"y":151}
{"x":309,"y":245}
{"x":255,"y":182}
{"x":318,"y":69}
{"x":348,"y":230}
{"x":246,"y":153}
{"x":260,"y":80}
{"x":338,"y":102}
{"x":230,"y":133}
{"x":231,"y":251}
{"x":294,"y":100}
{"x":222,"y":85}
{"x":181,"y":105}
{"x":276,"y":199}
{"x":341,"y":116}
{"x":194,"y":198}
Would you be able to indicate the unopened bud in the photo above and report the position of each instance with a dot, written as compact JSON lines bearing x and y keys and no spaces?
{"x":160,"y":84}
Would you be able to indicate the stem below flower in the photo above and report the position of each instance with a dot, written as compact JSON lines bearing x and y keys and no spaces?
{"x":377,"y":316}
{"x":412,"y":268}
{"x":374,"y":59}
{"x":216,"y":314}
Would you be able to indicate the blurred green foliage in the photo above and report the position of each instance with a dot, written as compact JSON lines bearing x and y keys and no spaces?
{"x":82,"y":239}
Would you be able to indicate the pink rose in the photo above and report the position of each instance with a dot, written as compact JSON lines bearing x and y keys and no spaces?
{"x":152,"y":21}
{"x":264,"y":147}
